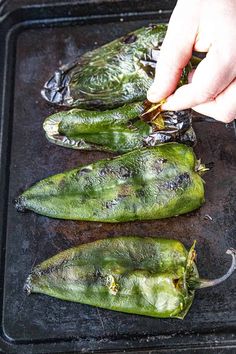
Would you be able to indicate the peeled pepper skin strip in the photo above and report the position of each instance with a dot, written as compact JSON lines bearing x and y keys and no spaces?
{"x":144,"y":184}
{"x":146,"y":276}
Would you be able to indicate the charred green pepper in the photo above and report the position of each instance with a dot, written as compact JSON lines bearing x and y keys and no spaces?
{"x":110,"y":76}
{"x":117,"y":73}
{"x":144,"y":276}
{"x":117,"y":130}
{"x":143,"y":184}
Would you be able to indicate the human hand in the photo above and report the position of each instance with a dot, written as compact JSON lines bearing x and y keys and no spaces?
{"x":203,"y":26}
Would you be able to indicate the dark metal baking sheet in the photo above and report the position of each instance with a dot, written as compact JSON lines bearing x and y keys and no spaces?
{"x":34,"y":41}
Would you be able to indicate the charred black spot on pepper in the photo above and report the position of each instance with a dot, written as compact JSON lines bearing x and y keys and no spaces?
{"x":184,"y":178}
{"x":98,"y":273}
{"x":181,"y":181}
{"x":149,"y":68}
{"x":162,"y":160}
{"x":111,"y":203}
{"x":125,"y":172}
{"x":130,"y":38}
{"x":105,"y":171}
{"x":83,"y":171}
{"x":140,"y":193}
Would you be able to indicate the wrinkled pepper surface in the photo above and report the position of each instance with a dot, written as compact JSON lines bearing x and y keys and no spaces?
{"x":110,"y":76}
{"x":145,"y":276}
{"x":143,"y":184}
{"x":117,"y":130}
{"x":117,"y":73}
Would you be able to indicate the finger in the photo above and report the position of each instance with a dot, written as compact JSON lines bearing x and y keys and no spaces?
{"x":223,"y":108}
{"x":211,"y":77}
{"x":176,"y":50}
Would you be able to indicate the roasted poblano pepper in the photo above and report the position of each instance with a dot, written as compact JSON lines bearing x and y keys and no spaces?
{"x":148,"y":183}
{"x":110,"y":76}
{"x":117,"y":130}
{"x":144,"y":276}
{"x":117,"y":73}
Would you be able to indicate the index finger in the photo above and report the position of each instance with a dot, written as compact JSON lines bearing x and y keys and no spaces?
{"x":176,"y":50}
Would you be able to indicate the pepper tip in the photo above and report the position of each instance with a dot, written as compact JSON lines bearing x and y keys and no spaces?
{"x":27,"y":287}
{"x":19,"y":204}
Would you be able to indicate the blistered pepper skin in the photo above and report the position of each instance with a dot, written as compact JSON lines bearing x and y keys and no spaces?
{"x":145,"y":276}
{"x":144,"y":184}
{"x":117,"y":73}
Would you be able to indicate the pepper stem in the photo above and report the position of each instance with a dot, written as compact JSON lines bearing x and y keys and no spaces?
{"x":201,"y":168}
{"x":205,"y":283}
